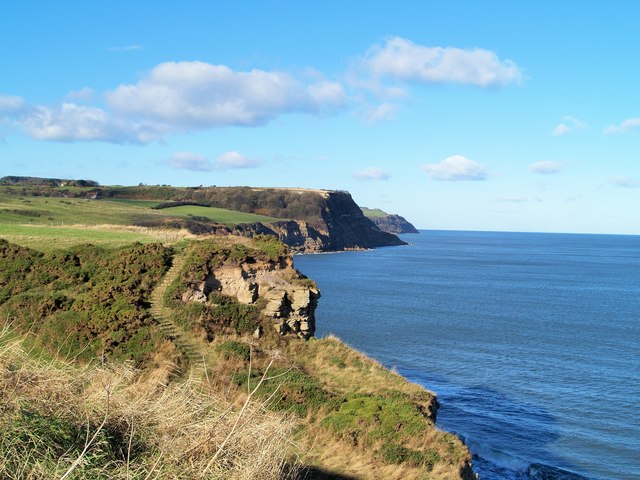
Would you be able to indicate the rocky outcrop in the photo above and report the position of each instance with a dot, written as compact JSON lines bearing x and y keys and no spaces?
{"x":394,"y":224}
{"x":284,"y":296}
{"x":319,"y":220}
{"x":341,"y":226}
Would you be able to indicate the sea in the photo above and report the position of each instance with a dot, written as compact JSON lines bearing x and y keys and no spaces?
{"x":530,"y":340}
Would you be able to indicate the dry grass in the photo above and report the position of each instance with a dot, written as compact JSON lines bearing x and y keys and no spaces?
{"x":137,"y":425}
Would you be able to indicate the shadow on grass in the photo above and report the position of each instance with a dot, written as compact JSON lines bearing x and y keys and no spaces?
{"x":315,"y":473}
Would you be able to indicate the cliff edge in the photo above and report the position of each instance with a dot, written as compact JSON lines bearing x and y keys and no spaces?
{"x":389,"y":222}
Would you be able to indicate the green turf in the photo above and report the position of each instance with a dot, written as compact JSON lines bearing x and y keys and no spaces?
{"x":373,"y":212}
{"x":220,"y":215}
{"x":57,"y":211}
{"x":47,"y":239}
{"x":136,"y":203}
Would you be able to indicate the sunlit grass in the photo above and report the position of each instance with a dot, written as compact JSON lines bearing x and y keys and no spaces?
{"x":220,"y":215}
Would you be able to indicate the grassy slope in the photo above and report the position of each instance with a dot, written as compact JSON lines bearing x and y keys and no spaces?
{"x":46,"y":223}
{"x":373,"y":212}
{"x":47,"y":239}
{"x":220,"y":215}
{"x":338,"y":399}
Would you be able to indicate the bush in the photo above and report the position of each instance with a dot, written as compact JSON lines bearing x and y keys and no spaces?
{"x":394,"y":453}
{"x":298,"y":392}
{"x":86,"y":301}
{"x":367,"y":418}
{"x":232,"y":348}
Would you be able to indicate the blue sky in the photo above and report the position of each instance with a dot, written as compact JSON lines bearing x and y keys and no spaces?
{"x":518,"y":116}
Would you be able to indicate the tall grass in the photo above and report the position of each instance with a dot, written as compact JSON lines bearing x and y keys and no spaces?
{"x":62,"y":420}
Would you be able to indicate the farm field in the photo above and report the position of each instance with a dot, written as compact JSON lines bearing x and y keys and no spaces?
{"x":44,"y":223}
{"x":219,"y":215}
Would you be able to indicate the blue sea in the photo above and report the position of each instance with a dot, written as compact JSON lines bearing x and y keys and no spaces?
{"x":531,"y":342}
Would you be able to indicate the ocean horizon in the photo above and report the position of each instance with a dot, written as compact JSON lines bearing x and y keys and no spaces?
{"x":530,"y":341}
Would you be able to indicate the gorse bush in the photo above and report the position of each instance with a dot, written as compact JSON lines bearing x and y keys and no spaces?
{"x":233,"y":348}
{"x":85,"y":302}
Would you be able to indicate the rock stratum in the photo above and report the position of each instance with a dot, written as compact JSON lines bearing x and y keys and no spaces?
{"x":270,"y":283}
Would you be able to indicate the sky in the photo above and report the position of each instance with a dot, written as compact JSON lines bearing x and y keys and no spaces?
{"x":463,"y":115}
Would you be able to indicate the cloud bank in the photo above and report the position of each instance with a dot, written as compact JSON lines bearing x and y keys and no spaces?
{"x":402,"y":60}
{"x":176,"y":97}
{"x":456,"y":168}
{"x":188,"y":96}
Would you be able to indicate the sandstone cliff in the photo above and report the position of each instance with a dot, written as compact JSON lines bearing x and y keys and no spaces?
{"x":243,"y":270}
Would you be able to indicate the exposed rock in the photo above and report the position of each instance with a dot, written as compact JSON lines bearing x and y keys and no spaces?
{"x":193,"y":295}
{"x":285,"y":296}
{"x":337,"y":224}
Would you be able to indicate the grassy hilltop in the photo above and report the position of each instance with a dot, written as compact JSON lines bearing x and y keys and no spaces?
{"x":306,"y":220}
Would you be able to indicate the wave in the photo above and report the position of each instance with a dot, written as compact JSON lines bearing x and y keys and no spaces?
{"x":494,"y":464}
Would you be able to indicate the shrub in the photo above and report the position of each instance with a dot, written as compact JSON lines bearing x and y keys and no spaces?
{"x":232,"y":348}
{"x":366,"y":418}
{"x":394,"y":453}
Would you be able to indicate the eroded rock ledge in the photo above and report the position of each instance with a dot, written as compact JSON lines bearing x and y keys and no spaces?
{"x":267,"y":281}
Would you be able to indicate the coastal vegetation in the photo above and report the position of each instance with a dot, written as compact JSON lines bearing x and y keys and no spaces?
{"x":123,"y":356}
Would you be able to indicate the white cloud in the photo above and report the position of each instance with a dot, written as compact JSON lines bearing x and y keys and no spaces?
{"x":456,"y":168}
{"x":545,"y":167}
{"x":625,"y":182}
{"x":372,"y":173}
{"x":174,"y":97}
{"x":628,"y":126}
{"x":190,"y":95}
{"x":190,"y":161}
{"x":231,"y":160}
{"x":570,"y":125}
{"x":402,"y":60}
{"x":71,"y":122}
{"x":378,"y":113}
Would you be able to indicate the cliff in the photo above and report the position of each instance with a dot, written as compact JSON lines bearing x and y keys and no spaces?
{"x":327,"y":221}
{"x":306,"y":220}
{"x":389,"y":222}
{"x":237,"y":269}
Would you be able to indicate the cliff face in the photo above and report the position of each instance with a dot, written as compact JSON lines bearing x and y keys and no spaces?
{"x":341,"y":226}
{"x":394,"y":224}
{"x":388,"y":222}
{"x":273,"y":285}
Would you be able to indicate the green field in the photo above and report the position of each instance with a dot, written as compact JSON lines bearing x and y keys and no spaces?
{"x":46,"y":239}
{"x":45,"y":223}
{"x":219,"y":215}
{"x":374,"y":212}
{"x":56,"y":211}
